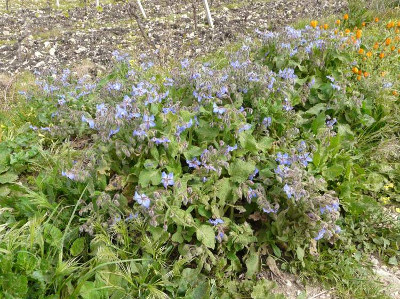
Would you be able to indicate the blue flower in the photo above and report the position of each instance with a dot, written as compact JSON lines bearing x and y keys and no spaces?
{"x":121,"y":112}
{"x":335,"y":86}
{"x":159,"y":141}
{"x":148,"y":121}
{"x":185,"y":63}
{"x":305,"y":158}
{"x":283,"y":159}
{"x":194,"y":163}
{"x":235,"y":64}
{"x":252,"y":176}
{"x":219,"y":236}
{"x":89,"y":121}
{"x":251,"y":194}
{"x":271,"y":210}
{"x":320,"y":235}
{"x":331,"y":78}
{"x":218,"y":110}
{"x":142,"y":199}
{"x":288,"y":190}
{"x":139,"y":133}
{"x":167,"y":179}
{"x":267,"y":121}
{"x":231,"y":148}
{"x":245,"y":128}
{"x":113,"y":132}
{"x":287,"y":74}
{"x":69,"y":174}
{"x":287,"y":106}
{"x":216,"y":221}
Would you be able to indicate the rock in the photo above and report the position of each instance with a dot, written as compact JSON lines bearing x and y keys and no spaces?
{"x":39,"y":64}
{"x":80,"y":50}
{"x":6,"y":32}
{"x":52,"y":51}
{"x":38,"y":54}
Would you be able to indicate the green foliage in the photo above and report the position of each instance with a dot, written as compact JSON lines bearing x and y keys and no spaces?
{"x":87,"y":209}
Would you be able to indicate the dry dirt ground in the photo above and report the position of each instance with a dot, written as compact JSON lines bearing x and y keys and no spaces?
{"x":42,"y":38}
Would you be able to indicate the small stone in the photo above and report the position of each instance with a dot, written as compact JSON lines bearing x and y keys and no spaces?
{"x":38,"y":54}
{"x":52,"y":51}
{"x":39,"y":64}
{"x":6,"y":32}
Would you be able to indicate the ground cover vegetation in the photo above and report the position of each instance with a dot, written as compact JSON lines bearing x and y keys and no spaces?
{"x":192,"y":182}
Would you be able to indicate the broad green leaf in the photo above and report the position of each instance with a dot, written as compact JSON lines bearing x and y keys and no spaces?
{"x":252,"y":264}
{"x":78,"y":246}
{"x":300,"y":253}
{"x":240,"y":170}
{"x":318,"y":123}
{"x":223,"y":190}
{"x":333,"y":172}
{"x":148,"y":176}
{"x":202,"y":291}
{"x":393,"y":261}
{"x":205,"y":234}
{"x":8,"y":177}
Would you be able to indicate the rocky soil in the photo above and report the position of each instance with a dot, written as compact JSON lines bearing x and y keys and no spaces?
{"x":38,"y":39}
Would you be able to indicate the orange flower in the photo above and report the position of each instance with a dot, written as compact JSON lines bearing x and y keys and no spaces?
{"x":376,"y":46}
{"x":358,"y":34}
{"x":376,"y":20}
{"x":397,"y":30}
{"x":338,"y":22}
{"x":369,"y":54}
{"x":346,"y":17}
{"x":383,"y":74}
{"x":364,"y":58}
{"x":336,"y":31}
{"x":382,"y":55}
{"x":359,"y":78}
{"x":355,"y":70}
{"x":398,"y":24}
{"x":363,"y":24}
{"x":326,"y":26}
{"x":395,"y":93}
{"x":361,"y":51}
{"x":360,"y":72}
{"x":366,"y":74}
{"x":393,"y":48}
{"x":347,"y":31}
{"x":398,"y":51}
{"x":390,"y":25}
{"x":314,"y":23}
{"x":388,"y":41}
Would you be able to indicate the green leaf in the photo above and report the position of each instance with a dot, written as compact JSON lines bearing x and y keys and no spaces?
{"x":248,"y":142}
{"x":333,"y":172}
{"x":202,"y":291}
{"x":205,"y":234}
{"x":265,"y":144}
{"x":146,"y":176}
{"x":393,"y":261}
{"x":252,"y":264}
{"x":316,"y":109}
{"x":300,"y":253}
{"x":78,"y":246}
{"x":8,"y":177}
{"x":318,"y":123}
{"x":240,"y":170}
{"x":223,"y":188}
{"x":4,"y":191}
